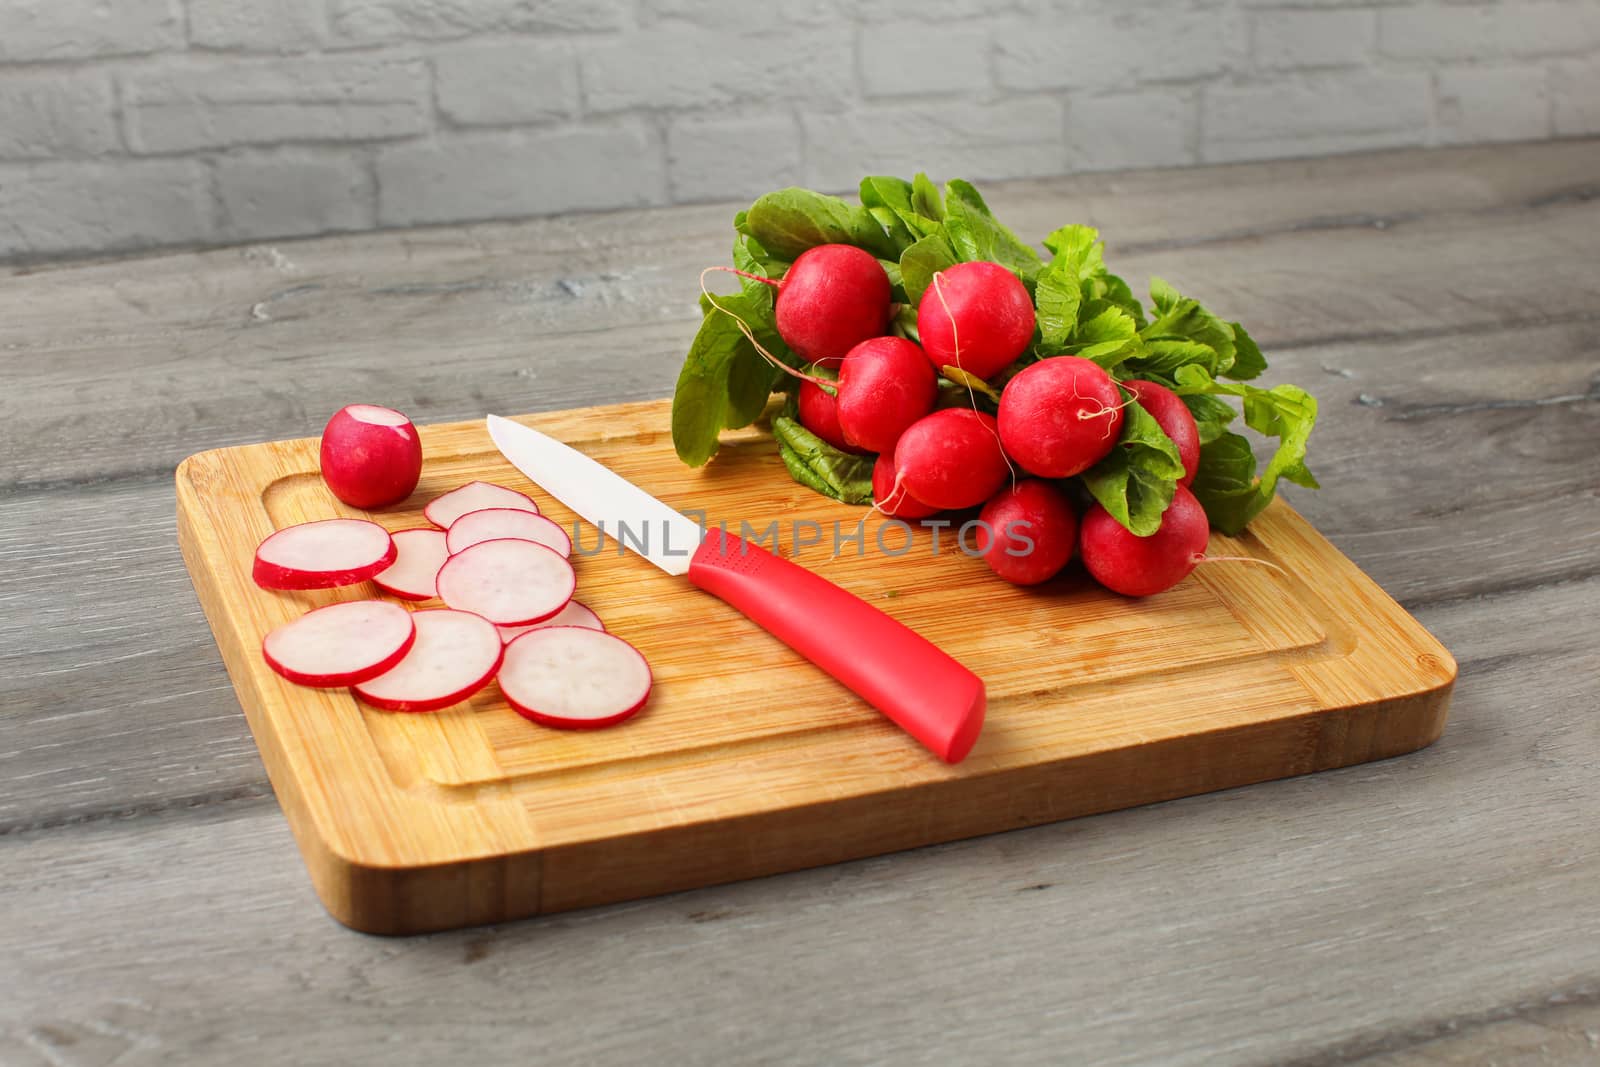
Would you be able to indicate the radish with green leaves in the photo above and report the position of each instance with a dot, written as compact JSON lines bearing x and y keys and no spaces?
{"x":1027,"y":532}
{"x":885,"y":385}
{"x":976,"y":317}
{"x":890,"y":497}
{"x":830,"y":299}
{"x":371,"y":456}
{"x":951,"y":459}
{"x":1060,"y":416}
{"x":1143,"y":566}
{"x":819,"y":413}
{"x":1175,"y":420}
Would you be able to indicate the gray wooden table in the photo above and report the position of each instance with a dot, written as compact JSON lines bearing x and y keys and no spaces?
{"x":1439,"y":908}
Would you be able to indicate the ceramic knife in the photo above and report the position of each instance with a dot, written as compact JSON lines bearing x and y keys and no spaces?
{"x":905,"y":676}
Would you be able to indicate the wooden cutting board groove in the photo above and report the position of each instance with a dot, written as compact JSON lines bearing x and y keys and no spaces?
{"x":748,"y":760}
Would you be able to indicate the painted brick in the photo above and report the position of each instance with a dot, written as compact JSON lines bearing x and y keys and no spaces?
{"x":504,"y":84}
{"x":1113,"y":52}
{"x":1016,"y":138}
{"x":256,"y":25}
{"x":44,"y":115}
{"x":721,"y":159}
{"x":382,"y":21}
{"x":1504,"y":30}
{"x":1131,"y":130}
{"x":267,"y":102}
{"x":688,"y":69}
{"x":739,"y":14}
{"x":1289,"y":40}
{"x":923,"y":58}
{"x":58,"y":208}
{"x":74,"y":29}
{"x":1575,"y":91}
{"x":489,"y":176}
{"x":282,"y":195}
{"x":1296,"y":117}
{"x":1479,"y":104}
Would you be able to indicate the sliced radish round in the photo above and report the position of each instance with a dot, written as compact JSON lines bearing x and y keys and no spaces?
{"x":421,"y":553}
{"x":508,"y":582}
{"x":444,"y":510}
{"x":454,"y":656}
{"x":341,"y":644}
{"x":574,"y":678}
{"x":323,"y":554}
{"x":574,"y":614}
{"x":491,"y":524}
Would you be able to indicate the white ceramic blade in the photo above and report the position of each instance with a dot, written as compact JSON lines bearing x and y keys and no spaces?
{"x":599,"y":495}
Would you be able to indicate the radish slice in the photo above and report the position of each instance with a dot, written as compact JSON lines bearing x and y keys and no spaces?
{"x":421,"y":553}
{"x":574,"y":678}
{"x":321,"y":555}
{"x":574,"y":614}
{"x":491,"y":524}
{"x":443,"y":511}
{"x":341,"y":644}
{"x":455,"y":655}
{"x":508,"y":582}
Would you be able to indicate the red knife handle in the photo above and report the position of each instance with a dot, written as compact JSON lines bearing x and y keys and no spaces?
{"x":901,"y":673}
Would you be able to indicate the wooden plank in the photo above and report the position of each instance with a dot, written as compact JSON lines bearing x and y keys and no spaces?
{"x":1091,"y":705}
{"x":233,"y":346}
{"x":1315,"y":920}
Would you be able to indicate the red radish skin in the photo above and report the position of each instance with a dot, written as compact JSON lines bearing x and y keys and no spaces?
{"x":491,"y":524}
{"x":574,"y":614}
{"x":456,"y":653}
{"x":420,"y":554}
{"x":1060,"y":416}
{"x":951,"y":459}
{"x":1028,"y":532}
{"x":1143,"y":566}
{"x":819,"y":413}
{"x":885,"y":384}
{"x":371,"y":456}
{"x":975,"y":316}
{"x":1175,"y":420}
{"x":574,"y":678}
{"x":893,"y":500}
{"x":508,"y":582}
{"x":474,"y":496}
{"x":832,"y":298}
{"x":323,"y":555}
{"x":341,"y":644}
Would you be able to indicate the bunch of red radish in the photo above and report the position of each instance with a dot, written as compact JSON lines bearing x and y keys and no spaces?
{"x":501,"y":568}
{"x":1056,"y":418}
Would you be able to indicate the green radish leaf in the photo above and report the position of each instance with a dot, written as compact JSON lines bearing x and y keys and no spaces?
{"x":976,"y":234}
{"x":925,"y":198}
{"x":1179,"y":318}
{"x":789,"y":221}
{"x":897,"y":285}
{"x":1225,"y":484}
{"x":920,"y":262}
{"x":724,"y":383}
{"x":1058,"y":295}
{"x":1134,"y":482}
{"x":1114,"y":290}
{"x":750,"y":256}
{"x":1106,"y":334}
{"x":970,"y":381}
{"x":904,"y":323}
{"x":1211,"y":416}
{"x":818,"y":465}
{"x":1079,"y":246}
{"x":1248,"y":362}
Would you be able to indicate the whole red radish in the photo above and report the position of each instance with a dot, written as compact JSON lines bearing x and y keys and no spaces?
{"x":831,"y":299}
{"x":1028,"y":532}
{"x":1175,"y":420}
{"x":819,"y":413}
{"x":371,"y":456}
{"x":975,"y":316}
{"x":891,"y":499}
{"x":1142,"y":566}
{"x":1060,"y":416}
{"x":885,"y":385}
{"x":951,"y":459}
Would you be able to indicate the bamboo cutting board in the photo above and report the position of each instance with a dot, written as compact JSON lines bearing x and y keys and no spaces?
{"x":750,"y":761}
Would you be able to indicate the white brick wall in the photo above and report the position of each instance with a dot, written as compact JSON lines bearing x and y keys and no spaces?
{"x":136,"y":123}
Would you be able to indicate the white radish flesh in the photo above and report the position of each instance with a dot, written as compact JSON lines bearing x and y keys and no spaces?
{"x":341,"y":644}
{"x":491,"y":524}
{"x":456,"y":653}
{"x":324,"y":554}
{"x":574,"y":678}
{"x":443,"y":511}
{"x":574,"y":614}
{"x":508,"y":582}
{"x":420,"y":555}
